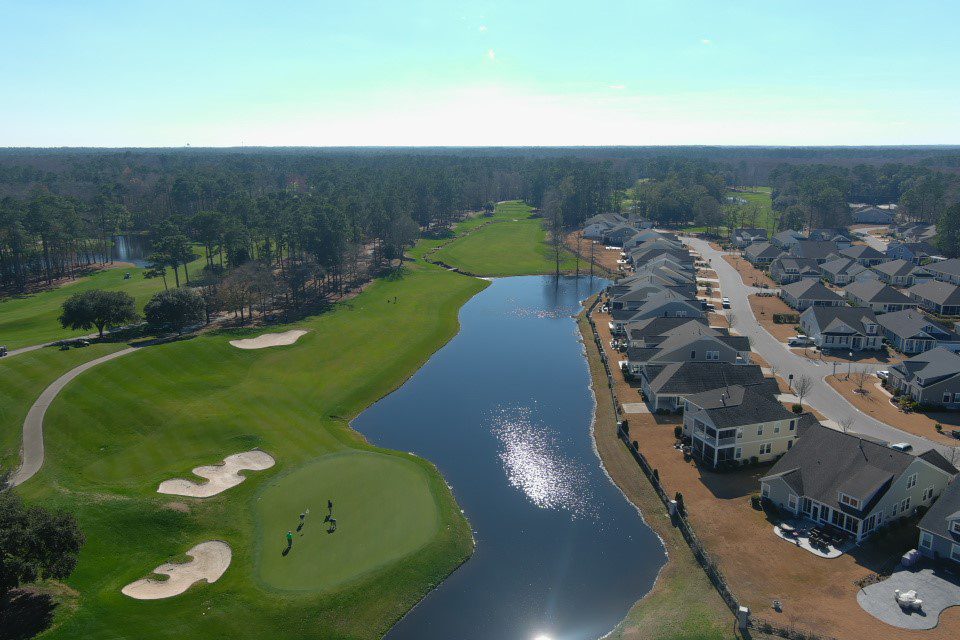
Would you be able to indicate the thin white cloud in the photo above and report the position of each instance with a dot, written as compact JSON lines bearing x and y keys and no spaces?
{"x":706,"y":41}
{"x":482,"y":28}
{"x":618,"y":87}
{"x":491,"y":55}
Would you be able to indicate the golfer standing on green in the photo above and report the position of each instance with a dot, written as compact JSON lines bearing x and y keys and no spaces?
{"x":289,"y":538}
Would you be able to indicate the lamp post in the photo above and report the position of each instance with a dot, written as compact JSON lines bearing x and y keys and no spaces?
{"x":849,"y":363}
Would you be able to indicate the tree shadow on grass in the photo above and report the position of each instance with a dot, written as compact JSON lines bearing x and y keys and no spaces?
{"x":25,"y":614}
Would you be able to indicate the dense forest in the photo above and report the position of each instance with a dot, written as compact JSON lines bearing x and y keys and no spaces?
{"x":295,"y":223}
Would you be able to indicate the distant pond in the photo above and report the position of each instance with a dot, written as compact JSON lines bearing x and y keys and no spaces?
{"x":504,"y":411}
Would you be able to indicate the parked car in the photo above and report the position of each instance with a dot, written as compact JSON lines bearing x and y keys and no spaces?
{"x":725,"y":303}
{"x":883,"y":374}
{"x":955,"y":433}
{"x":799,"y":341}
{"x":3,"y":350}
{"x":902,"y":446}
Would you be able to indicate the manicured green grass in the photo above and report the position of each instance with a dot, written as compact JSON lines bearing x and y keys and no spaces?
{"x":513,"y":244}
{"x":383,"y":511}
{"x":23,"y":378}
{"x":32,"y":319}
{"x":760,"y":196}
{"x":116,"y":432}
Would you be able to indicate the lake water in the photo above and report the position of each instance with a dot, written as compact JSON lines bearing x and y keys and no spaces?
{"x":504,"y":411}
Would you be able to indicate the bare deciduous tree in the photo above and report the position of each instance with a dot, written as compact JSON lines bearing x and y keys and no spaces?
{"x":846,"y":423}
{"x":802,"y":386}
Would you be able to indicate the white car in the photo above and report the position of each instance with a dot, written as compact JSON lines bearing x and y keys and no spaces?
{"x":725,"y":303}
{"x":902,"y":446}
{"x":799,"y":341}
{"x":883,"y":374}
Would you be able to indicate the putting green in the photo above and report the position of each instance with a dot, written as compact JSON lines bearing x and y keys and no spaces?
{"x":384,"y":509}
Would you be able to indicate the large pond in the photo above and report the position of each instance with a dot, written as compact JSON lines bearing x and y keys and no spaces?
{"x":504,"y":410}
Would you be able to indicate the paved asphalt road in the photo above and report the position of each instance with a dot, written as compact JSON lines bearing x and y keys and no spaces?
{"x":823,"y":397}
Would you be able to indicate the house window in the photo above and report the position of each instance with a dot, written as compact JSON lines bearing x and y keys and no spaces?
{"x":946,"y":397}
{"x":792,"y":503}
{"x":850,"y":502}
{"x":776,"y":428}
{"x":927,"y":493}
{"x":911,"y":481}
{"x":760,"y":430}
{"x":956,"y":397}
{"x":693,"y":355}
{"x":739,"y":433}
{"x":955,"y":527}
{"x":955,"y":552}
{"x":713,"y":355}
{"x":765,"y":448}
{"x":737,"y":453}
{"x":765,"y":490}
{"x":926,"y":540}
{"x":793,"y":425}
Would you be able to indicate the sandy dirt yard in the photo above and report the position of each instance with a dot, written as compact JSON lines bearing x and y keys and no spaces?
{"x":763,"y":310}
{"x":749,"y":273}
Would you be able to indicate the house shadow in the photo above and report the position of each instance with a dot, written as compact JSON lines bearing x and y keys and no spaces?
{"x":25,"y":614}
{"x":733,"y":484}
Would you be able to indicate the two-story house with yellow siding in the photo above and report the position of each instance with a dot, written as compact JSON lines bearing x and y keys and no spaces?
{"x":738,"y":424}
{"x":853,"y":483}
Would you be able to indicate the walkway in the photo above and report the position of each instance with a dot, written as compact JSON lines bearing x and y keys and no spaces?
{"x":822,"y":397}
{"x":33,"y":424}
{"x":934,"y":587}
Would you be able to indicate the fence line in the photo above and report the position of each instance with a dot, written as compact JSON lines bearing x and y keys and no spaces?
{"x":679,"y":519}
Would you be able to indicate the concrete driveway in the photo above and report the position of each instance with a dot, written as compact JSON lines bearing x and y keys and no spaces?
{"x":937,"y":589}
{"x":822,"y":397}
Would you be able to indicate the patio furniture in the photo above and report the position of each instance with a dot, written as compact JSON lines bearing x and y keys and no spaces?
{"x":908,"y":599}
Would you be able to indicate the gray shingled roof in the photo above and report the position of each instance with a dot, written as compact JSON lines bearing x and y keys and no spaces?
{"x":824,"y":462}
{"x":737,"y":405}
{"x":931,"y":366}
{"x":910,"y":323}
{"x":835,"y":319}
{"x":949,"y":267}
{"x":761,"y":250}
{"x":809,"y":290}
{"x":876,"y":291}
{"x":942,"y":293}
{"x":944,"y":511}
{"x":817,"y":249}
{"x":649,"y":328}
{"x":895,"y":267}
{"x":683,"y":378}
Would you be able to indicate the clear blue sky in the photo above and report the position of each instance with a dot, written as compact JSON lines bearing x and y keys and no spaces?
{"x":435,"y":72}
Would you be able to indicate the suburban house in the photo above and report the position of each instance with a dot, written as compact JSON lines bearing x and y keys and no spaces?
{"x":619,"y":234}
{"x":946,"y":271}
{"x":738,"y":424}
{"x":638,"y":295}
{"x":748,"y":235}
{"x":847,"y":328}
{"x":841,"y":271}
{"x":911,"y":332}
{"x":931,"y":378}
{"x":915,"y":231}
{"x":611,"y":219}
{"x":902,"y":273}
{"x":853,"y":483}
{"x":761,"y":254}
{"x":877,"y":295}
{"x":663,"y":305}
{"x":914,"y":252}
{"x":837,"y":235}
{"x":940,"y":526}
{"x":937,"y":297}
{"x":652,"y":331}
{"x":786,"y":269}
{"x":667,"y":385}
{"x":819,"y":250}
{"x":786,"y":239}
{"x":872,"y":215}
{"x":867,"y":256}
{"x":809,"y":293}
{"x":691,"y":342}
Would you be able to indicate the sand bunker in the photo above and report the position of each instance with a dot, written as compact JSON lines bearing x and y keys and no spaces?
{"x":269,"y":340}
{"x":209,"y":560}
{"x":220,"y":477}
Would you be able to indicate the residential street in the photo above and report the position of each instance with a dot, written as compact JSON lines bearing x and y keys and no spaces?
{"x":823,"y":397}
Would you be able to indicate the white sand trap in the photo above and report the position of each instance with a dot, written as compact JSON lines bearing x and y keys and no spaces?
{"x":209,"y":560}
{"x":269,"y":340}
{"x":220,"y":477}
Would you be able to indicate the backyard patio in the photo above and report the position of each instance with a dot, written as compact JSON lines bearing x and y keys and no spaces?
{"x":937,"y":587}
{"x":817,"y":540}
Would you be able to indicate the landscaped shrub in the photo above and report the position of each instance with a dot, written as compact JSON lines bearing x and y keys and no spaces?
{"x":938,"y":427}
{"x":797,"y":408}
{"x":678,"y":432}
{"x":786,"y":318}
{"x":756,"y":502}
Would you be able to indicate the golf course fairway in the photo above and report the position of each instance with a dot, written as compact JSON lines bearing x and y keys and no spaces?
{"x":384,"y":510}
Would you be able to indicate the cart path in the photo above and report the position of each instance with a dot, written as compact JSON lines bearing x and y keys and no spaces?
{"x":32,"y":452}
